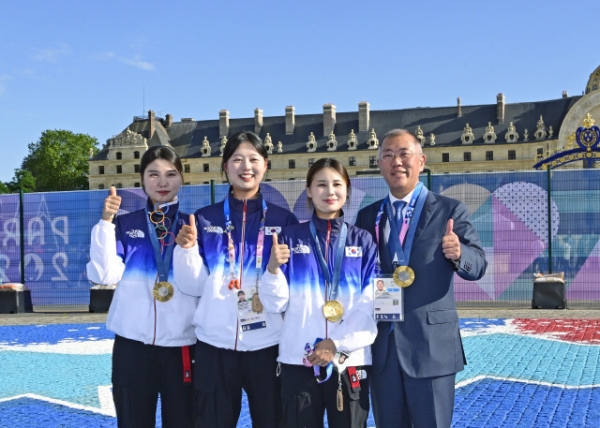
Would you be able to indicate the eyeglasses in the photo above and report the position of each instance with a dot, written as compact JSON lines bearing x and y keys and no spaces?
{"x":390,"y":156}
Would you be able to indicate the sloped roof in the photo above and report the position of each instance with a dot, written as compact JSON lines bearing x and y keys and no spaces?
{"x":186,"y":137}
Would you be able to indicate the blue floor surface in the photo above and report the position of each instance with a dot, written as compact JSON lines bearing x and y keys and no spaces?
{"x":521,"y":373}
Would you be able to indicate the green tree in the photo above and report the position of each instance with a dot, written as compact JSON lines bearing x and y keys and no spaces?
{"x":4,"y":188}
{"x":23,"y":179}
{"x":58,"y":160}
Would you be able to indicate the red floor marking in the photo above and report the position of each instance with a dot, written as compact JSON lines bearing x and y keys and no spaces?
{"x":569,"y":330}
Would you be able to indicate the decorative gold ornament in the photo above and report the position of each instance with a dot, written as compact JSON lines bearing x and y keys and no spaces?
{"x":163,"y":291}
{"x":588,"y":122}
{"x":404,"y":276}
{"x":333,"y":311}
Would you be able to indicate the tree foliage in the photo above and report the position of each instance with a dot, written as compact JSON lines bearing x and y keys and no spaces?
{"x":58,"y":160}
{"x":23,"y":180}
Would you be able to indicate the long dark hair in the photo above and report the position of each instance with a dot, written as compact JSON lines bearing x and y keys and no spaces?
{"x":234,"y":142}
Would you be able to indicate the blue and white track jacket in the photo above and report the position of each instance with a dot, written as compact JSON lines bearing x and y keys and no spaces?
{"x":203,"y":271}
{"x":298,"y":289}
{"x":122,"y":254}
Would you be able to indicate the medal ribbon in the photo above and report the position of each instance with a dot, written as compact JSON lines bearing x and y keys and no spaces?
{"x":409,"y":227}
{"x":259,"y":242}
{"x":339,"y":256}
{"x":163,"y":262}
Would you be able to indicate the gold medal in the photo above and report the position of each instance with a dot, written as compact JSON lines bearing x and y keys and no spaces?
{"x":333,"y":311}
{"x":404,"y":276}
{"x":256,"y":304}
{"x":163,"y":291}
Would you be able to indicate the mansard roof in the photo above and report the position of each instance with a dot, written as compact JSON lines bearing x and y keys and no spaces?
{"x":186,"y":136}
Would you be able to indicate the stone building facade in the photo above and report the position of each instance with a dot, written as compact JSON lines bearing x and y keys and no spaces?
{"x":479,"y":138}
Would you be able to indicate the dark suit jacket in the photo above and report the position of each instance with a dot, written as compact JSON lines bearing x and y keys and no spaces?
{"x":428,"y":340}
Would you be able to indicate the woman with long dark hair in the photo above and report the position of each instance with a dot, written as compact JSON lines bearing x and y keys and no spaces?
{"x":222,"y":261}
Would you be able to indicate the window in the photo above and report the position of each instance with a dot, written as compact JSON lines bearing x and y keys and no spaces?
{"x":136,"y":184}
{"x":445,"y":157}
{"x":100,"y":186}
{"x":206,"y":167}
{"x":101,"y":169}
{"x":119,"y":155}
{"x":489,"y":155}
{"x":136,"y":155}
{"x":187,"y":168}
{"x":467,"y":156}
{"x":540,"y":152}
{"x":292,"y":164}
{"x":512,"y":154}
{"x":372,"y":161}
{"x":352,"y":161}
{"x":187,"y":183}
{"x":311,"y":162}
{"x":268,"y":164}
{"x":136,"y":168}
{"x":119,"y":169}
{"x":119,"y":186}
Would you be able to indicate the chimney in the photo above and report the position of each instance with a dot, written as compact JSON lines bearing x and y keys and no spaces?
{"x":168,"y":120}
{"x":458,"y":108}
{"x":500,"y":109}
{"x":364,"y":116}
{"x":258,"y":120}
{"x":290,"y":119}
{"x":151,"y":124}
{"x":328,"y":119}
{"x":223,"y":123}
{"x":565,"y":94}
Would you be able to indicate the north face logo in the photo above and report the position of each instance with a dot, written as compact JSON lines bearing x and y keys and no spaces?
{"x":135,"y":233}
{"x":214,"y":229}
{"x":301,"y":249}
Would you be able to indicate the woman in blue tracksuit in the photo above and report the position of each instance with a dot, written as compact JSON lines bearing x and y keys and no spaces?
{"x":320,"y":273}
{"x":152,"y":321}
{"x":222,"y":260}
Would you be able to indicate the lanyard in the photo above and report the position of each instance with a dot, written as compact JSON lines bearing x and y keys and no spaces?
{"x":409,"y":224}
{"x":163,"y":264}
{"x":259,"y":242}
{"x":339,"y":255}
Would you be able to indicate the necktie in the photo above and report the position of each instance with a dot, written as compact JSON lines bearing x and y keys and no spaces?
{"x":399,"y":205}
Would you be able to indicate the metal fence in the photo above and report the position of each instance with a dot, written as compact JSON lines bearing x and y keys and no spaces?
{"x":48,"y":234}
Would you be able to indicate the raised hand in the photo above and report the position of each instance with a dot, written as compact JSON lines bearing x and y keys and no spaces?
{"x":450,"y":242}
{"x":280,"y":254}
{"x":188,"y":234}
{"x":111,"y":205}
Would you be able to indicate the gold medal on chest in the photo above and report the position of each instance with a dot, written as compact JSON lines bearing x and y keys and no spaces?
{"x":333,"y":311}
{"x":163,"y":291}
{"x":404,"y":276}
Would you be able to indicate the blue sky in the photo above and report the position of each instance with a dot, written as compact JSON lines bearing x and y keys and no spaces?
{"x":90,"y":66}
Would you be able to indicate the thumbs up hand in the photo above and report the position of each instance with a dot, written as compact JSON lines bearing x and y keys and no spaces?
{"x":450,"y":242}
{"x":280,"y":254}
{"x":111,"y":205}
{"x":188,"y":234}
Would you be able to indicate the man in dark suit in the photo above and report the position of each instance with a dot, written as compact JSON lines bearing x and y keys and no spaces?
{"x":415,"y":361}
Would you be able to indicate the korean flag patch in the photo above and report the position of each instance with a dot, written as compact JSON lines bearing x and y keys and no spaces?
{"x":353,"y":251}
{"x":269,"y":230}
